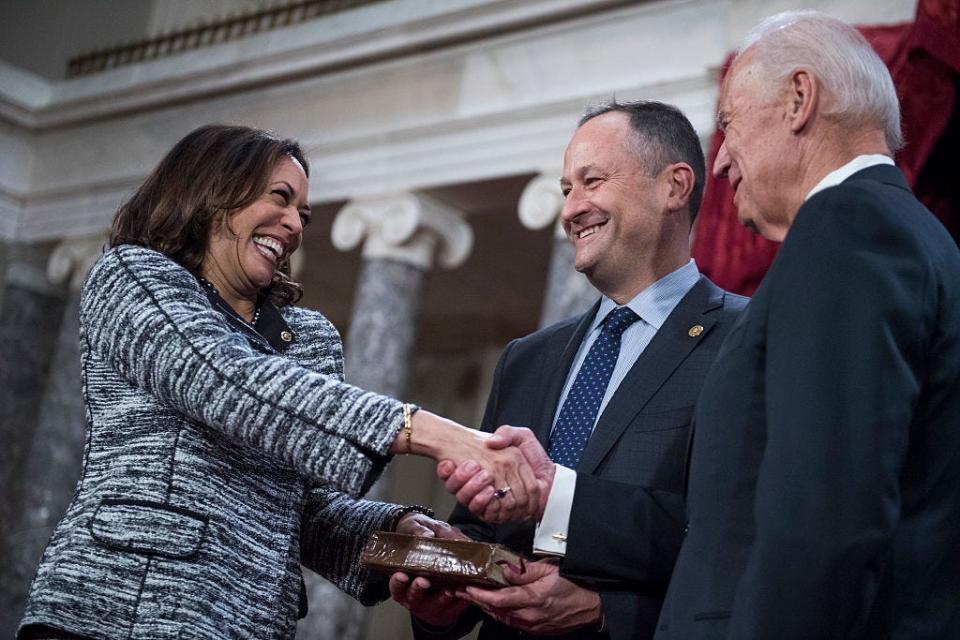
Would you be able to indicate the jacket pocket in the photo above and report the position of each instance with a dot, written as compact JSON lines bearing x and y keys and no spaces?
{"x":663,"y":420}
{"x":711,"y":615}
{"x":150,"y":528}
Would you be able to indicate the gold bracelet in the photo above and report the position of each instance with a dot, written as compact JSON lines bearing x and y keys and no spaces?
{"x":407,"y":428}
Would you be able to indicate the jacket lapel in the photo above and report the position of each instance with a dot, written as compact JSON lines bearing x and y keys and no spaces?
{"x":556,"y":365}
{"x":669,"y":347}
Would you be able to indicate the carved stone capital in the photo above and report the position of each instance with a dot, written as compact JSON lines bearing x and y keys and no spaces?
{"x":297,"y":263}
{"x":541,"y":202}
{"x":408,"y":227}
{"x":72,"y":258}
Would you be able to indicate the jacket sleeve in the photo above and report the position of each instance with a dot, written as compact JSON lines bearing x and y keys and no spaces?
{"x":148,"y":318}
{"x":623,"y":536}
{"x":849,"y":305}
{"x":334,"y":529}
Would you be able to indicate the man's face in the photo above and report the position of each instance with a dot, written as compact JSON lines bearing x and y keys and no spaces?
{"x":614,"y":212}
{"x":757,"y":156}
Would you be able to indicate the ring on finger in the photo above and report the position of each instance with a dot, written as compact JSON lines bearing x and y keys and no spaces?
{"x":502,"y":492}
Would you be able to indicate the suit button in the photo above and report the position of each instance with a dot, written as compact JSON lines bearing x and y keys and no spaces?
{"x":686,"y":528}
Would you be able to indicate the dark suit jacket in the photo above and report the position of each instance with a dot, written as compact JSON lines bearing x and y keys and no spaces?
{"x":641,"y":440}
{"x":824,"y":488}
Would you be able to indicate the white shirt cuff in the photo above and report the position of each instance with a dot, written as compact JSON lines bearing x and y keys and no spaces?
{"x":550,"y":537}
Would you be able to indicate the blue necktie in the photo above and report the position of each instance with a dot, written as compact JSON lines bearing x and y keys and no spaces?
{"x":579,"y":411}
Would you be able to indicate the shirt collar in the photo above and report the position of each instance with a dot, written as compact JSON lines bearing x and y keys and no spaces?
{"x":837,"y":176}
{"x":655,"y":303}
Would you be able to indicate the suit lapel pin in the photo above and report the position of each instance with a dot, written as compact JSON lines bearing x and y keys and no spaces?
{"x":695,"y":330}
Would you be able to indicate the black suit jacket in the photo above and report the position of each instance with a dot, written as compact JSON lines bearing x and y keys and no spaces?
{"x":824,"y":488}
{"x":640,"y":441}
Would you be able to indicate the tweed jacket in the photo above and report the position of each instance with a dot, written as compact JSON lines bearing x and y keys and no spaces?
{"x":213,"y":466}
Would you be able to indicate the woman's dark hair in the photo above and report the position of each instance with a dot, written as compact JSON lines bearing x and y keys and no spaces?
{"x":212,"y":173}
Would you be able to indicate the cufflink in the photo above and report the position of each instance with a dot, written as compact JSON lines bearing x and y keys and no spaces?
{"x":559,"y":537}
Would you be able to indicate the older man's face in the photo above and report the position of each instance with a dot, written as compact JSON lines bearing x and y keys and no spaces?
{"x":757,"y":154}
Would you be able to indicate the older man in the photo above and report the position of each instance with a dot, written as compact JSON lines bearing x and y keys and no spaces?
{"x":609,"y":394}
{"x":824,"y":490}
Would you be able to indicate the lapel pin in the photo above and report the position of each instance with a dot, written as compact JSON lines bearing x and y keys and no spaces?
{"x":695,"y":330}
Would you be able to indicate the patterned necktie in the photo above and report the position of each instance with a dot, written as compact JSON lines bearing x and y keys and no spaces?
{"x":579,"y":411}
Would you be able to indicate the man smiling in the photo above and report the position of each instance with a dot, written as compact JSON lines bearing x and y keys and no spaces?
{"x":824,"y":486}
{"x":609,"y":394}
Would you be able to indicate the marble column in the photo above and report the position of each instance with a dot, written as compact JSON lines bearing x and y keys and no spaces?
{"x":52,"y":466}
{"x":402,"y":236}
{"x":29,"y":329}
{"x":568,"y":292}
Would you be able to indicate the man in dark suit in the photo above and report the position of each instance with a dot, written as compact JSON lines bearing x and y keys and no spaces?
{"x":824,"y":487}
{"x":611,"y":404}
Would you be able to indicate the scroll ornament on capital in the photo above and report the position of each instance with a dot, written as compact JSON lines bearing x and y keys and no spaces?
{"x":541,"y":202}
{"x":72,"y":258}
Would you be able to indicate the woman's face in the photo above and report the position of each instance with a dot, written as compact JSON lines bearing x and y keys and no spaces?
{"x":244,"y":252}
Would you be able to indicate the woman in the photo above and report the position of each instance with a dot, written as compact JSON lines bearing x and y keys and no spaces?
{"x":220,"y":431}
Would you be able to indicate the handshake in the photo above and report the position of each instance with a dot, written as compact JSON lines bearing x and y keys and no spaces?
{"x":507,"y":476}
{"x":502,"y":477}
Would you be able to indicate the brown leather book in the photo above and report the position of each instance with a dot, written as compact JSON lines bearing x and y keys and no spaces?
{"x":447,"y":561}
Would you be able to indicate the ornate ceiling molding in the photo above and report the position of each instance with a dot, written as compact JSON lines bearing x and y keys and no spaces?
{"x":205,"y":35}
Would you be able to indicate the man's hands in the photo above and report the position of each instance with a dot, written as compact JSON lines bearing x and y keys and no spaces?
{"x":438,"y":606}
{"x":505,"y":481}
{"x":540,"y":603}
{"x":471,"y":483}
{"x":435,"y":605}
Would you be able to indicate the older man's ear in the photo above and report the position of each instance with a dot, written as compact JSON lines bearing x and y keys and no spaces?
{"x":804,"y":97}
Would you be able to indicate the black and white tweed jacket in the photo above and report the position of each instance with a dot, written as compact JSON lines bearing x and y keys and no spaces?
{"x":212,"y":466}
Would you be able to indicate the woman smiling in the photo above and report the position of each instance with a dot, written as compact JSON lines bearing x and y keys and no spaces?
{"x":223,"y":446}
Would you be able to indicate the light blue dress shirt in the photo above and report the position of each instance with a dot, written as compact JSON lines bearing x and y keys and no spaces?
{"x":654,"y":304}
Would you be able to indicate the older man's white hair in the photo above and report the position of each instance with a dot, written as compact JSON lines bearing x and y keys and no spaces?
{"x":858,"y":85}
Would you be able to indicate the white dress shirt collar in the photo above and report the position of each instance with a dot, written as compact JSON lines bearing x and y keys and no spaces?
{"x":837,"y":176}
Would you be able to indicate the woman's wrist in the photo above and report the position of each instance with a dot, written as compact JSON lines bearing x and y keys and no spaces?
{"x":428,"y":435}
{"x":431,"y":435}
{"x":393,"y":520}
{"x":407,"y":430}
{"x":403,"y":441}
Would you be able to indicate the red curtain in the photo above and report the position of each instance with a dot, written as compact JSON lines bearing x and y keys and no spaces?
{"x":924,"y":60}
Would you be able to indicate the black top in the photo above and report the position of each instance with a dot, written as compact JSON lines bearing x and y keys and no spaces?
{"x":268,"y":324}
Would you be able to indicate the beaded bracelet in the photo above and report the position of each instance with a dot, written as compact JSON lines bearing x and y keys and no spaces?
{"x":414,"y":508}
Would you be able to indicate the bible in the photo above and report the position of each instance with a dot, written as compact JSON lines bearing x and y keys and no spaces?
{"x":446,"y":561}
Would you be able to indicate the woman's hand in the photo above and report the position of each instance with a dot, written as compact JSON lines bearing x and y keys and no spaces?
{"x":420,"y":524}
{"x":462,"y":480}
{"x":503,"y":484}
